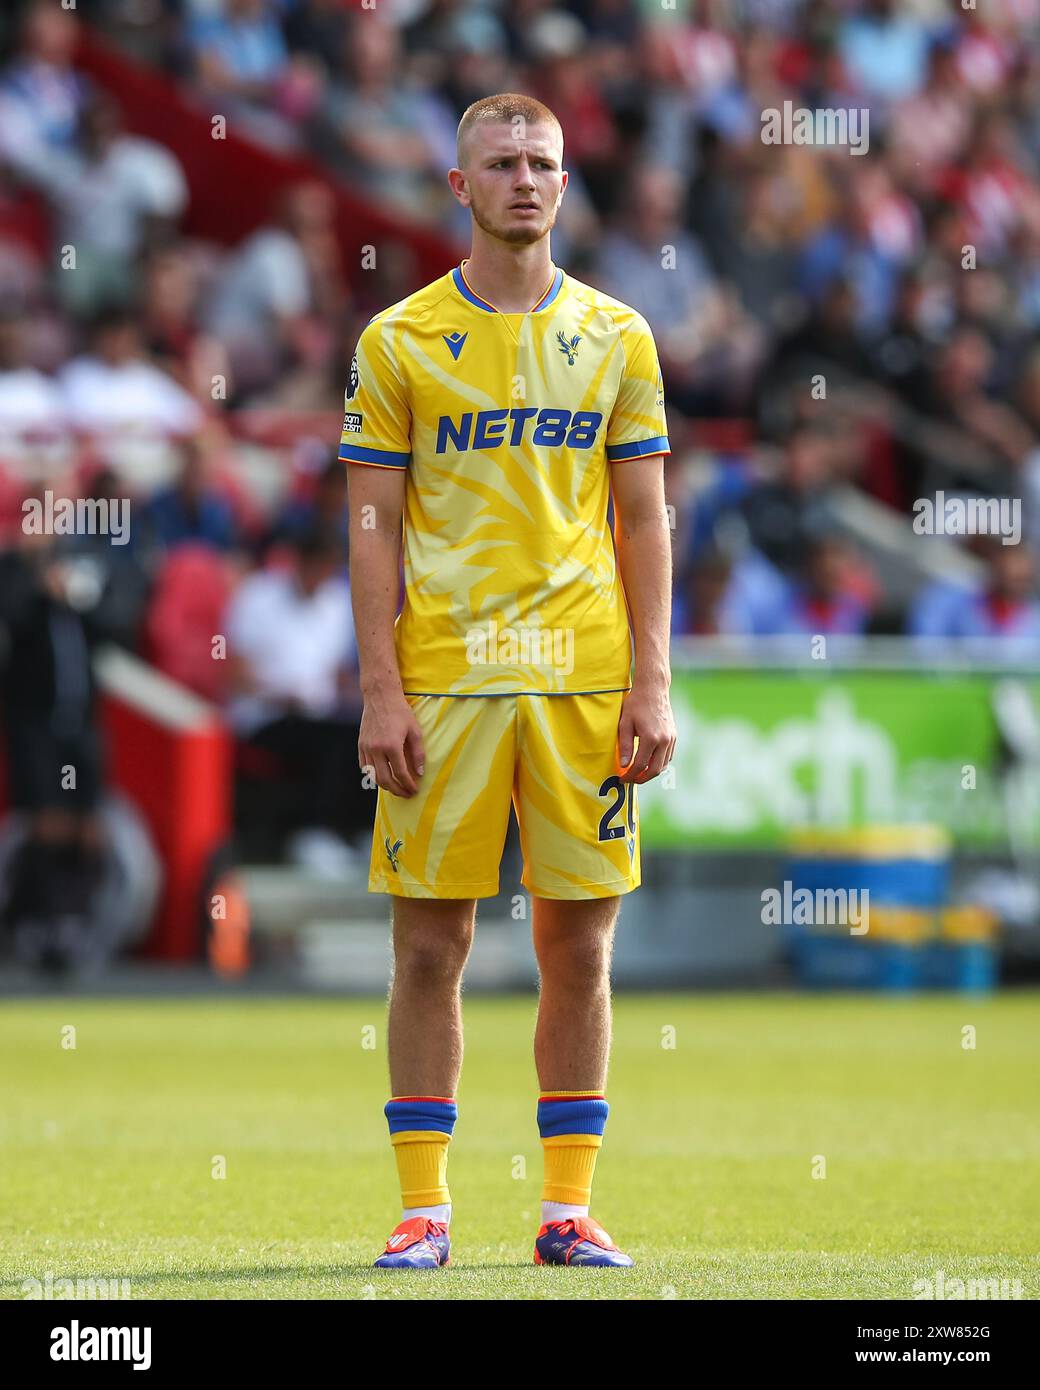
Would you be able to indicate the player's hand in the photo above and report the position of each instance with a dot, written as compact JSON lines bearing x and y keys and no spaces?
{"x":646,"y":719}
{"x":390,"y":743}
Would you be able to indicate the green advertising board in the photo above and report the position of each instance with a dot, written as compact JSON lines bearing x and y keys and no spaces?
{"x":762,"y":752}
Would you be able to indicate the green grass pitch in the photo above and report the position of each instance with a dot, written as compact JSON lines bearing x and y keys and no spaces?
{"x":706,"y":1175}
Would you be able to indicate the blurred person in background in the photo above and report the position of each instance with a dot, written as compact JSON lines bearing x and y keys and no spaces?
{"x":1024,"y":271}
{"x":757,"y":596}
{"x":30,"y":400}
{"x":983,"y":299}
{"x":296,"y":696}
{"x":756,"y":254}
{"x":782,"y":510}
{"x":707,"y":602}
{"x":979,"y":438}
{"x":245,"y":70}
{"x":323,"y":507}
{"x":54,"y":752}
{"x":612,"y":25}
{"x":113,"y":390}
{"x":279,"y":287}
{"x":872,"y":233}
{"x":519,"y":23}
{"x":825,"y":347}
{"x":110,"y":194}
{"x":708,"y":346}
{"x":985,"y":45}
{"x":192,"y":509}
{"x":374,"y":126}
{"x":314,"y":383}
{"x":921,"y":316}
{"x":659,"y":110}
{"x":1002,"y":612}
{"x":991,"y":183}
{"x":830,"y":598}
{"x":884,"y":47}
{"x":460,"y":52}
{"x":170,"y":308}
{"x":42,"y":96}
{"x":121,"y":573}
{"x":930,"y":127}
{"x":317,"y":29}
{"x":760,"y":510}
{"x":192,"y":586}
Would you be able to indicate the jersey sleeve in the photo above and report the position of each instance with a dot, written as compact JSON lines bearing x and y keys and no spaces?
{"x":377,"y":420}
{"x":637,"y":426}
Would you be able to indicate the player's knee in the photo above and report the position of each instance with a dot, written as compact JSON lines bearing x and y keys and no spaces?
{"x":433,"y":954}
{"x":580,"y":959}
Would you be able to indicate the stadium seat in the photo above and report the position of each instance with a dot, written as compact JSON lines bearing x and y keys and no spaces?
{"x":191,"y":592}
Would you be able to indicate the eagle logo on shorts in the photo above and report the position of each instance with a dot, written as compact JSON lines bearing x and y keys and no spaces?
{"x":392,"y":851}
{"x":355,"y":379}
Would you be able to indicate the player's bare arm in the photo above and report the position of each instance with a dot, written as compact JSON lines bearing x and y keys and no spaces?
{"x":645,"y":561}
{"x":390,"y":741}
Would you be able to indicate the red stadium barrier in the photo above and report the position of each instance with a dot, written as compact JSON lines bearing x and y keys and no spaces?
{"x":173,"y":757}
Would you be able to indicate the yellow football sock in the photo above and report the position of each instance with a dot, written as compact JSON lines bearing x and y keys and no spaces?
{"x":570,"y":1162}
{"x":422,"y":1166}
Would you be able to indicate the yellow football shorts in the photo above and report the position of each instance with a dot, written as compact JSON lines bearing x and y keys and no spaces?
{"x":555,"y":757}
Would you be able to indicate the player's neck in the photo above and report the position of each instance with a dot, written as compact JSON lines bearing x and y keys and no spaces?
{"x":512,"y":278}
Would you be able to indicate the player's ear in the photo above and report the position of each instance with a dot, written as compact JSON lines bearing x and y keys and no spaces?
{"x":459,"y":185}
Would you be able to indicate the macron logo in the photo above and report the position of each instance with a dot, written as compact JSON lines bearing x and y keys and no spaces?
{"x":455,"y":341}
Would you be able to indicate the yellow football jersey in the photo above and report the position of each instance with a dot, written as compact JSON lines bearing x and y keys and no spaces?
{"x":506,"y":425}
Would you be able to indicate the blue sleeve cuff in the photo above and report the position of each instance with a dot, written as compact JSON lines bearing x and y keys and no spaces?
{"x":618,"y":453}
{"x":384,"y":458}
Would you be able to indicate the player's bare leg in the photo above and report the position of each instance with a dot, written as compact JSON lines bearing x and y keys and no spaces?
{"x":432,"y":940}
{"x":573,"y":941}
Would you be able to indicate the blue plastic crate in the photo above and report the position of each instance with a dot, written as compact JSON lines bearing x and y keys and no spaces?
{"x":899,"y":882}
{"x":967,"y":965}
{"x":848,"y":962}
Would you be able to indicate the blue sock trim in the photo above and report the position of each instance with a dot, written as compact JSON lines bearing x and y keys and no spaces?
{"x":419,"y":1113}
{"x":571,"y":1117}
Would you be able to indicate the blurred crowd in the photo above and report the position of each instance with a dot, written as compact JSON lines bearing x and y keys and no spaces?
{"x":831,"y":324}
{"x":841,"y":333}
{"x":905,"y":277}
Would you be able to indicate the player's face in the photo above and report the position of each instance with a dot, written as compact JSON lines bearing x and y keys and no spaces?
{"x":514,"y":185}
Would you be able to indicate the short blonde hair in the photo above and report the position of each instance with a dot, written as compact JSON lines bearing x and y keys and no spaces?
{"x":507,"y":106}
